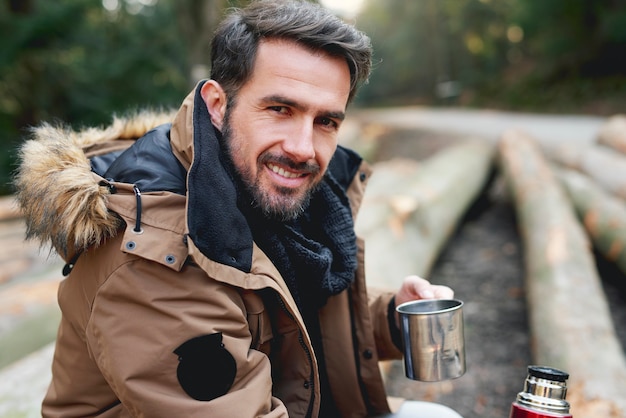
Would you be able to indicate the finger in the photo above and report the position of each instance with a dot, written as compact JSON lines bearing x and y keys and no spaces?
{"x":423,"y":289}
{"x":442,"y":292}
{"x":426,"y":293}
{"x":419,"y":287}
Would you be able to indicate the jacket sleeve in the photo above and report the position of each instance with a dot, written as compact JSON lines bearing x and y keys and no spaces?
{"x":385,"y":332}
{"x":178,"y":344}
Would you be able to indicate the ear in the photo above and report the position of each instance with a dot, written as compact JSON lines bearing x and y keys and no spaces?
{"x":215,"y":99}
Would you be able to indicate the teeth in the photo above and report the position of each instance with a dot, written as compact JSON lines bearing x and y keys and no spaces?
{"x":281,"y":172}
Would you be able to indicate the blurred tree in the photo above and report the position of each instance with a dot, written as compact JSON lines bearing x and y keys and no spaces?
{"x":423,"y":45}
{"x":197,"y":20}
{"x":403,"y":61}
{"x":576,"y":38}
{"x":510,"y":53}
{"x":80,"y":61}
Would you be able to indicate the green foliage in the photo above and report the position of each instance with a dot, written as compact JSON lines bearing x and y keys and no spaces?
{"x":511,"y":53}
{"x":402,"y":66}
{"x":422,"y":43}
{"x":583,"y":37}
{"x":75,"y":61}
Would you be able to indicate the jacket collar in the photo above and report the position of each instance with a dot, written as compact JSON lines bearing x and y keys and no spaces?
{"x":216,"y":225}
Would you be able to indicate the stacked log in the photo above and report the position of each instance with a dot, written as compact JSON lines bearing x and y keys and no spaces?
{"x":601,"y":163}
{"x":570,"y":323}
{"x":411,"y":208}
{"x":602,"y":214}
{"x":594,"y":177}
{"x":613,"y":133}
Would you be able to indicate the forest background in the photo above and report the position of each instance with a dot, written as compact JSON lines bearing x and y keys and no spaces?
{"x":78,"y":62}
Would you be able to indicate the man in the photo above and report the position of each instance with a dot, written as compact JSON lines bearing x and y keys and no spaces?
{"x":212,"y":267}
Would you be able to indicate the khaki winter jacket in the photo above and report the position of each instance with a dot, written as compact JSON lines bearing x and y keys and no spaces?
{"x":145,"y":308}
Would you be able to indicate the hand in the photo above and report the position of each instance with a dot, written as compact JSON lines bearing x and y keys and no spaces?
{"x":414,"y":288}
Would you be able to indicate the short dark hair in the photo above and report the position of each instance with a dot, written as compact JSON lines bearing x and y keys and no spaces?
{"x":236,"y":40}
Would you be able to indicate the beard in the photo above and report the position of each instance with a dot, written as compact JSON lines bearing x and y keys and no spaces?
{"x":273,"y":202}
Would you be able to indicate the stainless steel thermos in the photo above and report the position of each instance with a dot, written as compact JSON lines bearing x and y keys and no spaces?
{"x":543,"y":395}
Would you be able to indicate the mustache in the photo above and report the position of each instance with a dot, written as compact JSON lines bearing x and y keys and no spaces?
{"x":307,"y":167}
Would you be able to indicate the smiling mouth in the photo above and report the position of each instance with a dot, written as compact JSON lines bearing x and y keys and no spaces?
{"x":285,"y":173}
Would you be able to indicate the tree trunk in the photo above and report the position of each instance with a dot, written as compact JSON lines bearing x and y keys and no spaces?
{"x":570,"y":324}
{"x":603,"y":215}
{"x":410,"y":209}
{"x":197,"y":20}
{"x":613,"y":133}
{"x":604,"y":165}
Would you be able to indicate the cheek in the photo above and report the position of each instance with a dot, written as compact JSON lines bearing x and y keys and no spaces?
{"x":325,"y":153}
{"x":246,"y":158}
{"x":239,"y":154}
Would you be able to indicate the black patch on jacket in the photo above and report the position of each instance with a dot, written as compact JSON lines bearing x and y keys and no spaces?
{"x":206,"y":370}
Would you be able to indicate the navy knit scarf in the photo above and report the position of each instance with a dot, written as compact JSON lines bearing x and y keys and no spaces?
{"x":316,"y":253}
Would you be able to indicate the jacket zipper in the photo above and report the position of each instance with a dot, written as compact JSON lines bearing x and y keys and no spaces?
{"x":357,"y":356}
{"x":311,"y":382}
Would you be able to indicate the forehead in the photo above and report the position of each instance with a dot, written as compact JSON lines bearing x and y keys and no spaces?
{"x":296,"y":66}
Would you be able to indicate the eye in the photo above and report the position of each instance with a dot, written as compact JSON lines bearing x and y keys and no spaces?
{"x":279,"y":109}
{"x":327,"y":122}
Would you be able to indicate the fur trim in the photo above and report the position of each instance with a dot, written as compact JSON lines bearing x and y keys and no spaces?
{"x":131,"y":126}
{"x":60,"y":198}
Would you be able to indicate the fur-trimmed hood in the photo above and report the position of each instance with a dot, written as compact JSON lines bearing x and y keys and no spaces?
{"x":64,"y":203}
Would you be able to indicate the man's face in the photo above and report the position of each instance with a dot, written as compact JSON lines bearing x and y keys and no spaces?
{"x":283,"y":129}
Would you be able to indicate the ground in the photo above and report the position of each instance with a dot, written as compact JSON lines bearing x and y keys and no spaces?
{"x":483,"y":263}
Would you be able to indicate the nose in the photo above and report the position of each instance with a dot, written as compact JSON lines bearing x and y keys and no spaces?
{"x":299,"y":144}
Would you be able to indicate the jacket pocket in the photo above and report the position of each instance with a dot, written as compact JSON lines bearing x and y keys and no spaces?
{"x":259,"y":322}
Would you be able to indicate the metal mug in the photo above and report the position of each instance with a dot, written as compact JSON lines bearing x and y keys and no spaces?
{"x":433,"y":339}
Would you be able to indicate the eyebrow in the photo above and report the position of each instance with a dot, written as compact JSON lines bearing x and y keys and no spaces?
{"x":289,"y":102}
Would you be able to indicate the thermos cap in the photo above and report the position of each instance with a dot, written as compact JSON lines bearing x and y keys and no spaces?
{"x":545,"y":389}
{"x":548,"y":373}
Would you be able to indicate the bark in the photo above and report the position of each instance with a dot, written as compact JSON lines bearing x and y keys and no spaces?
{"x":604,"y":165}
{"x":570,"y":324}
{"x":410,"y":209}
{"x":613,"y":133}
{"x":602,"y":214}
